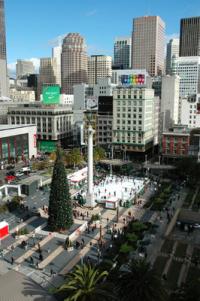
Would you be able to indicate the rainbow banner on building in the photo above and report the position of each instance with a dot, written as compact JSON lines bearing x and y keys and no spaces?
{"x":133,"y":79}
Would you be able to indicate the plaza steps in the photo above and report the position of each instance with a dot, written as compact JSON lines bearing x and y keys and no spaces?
{"x":30,"y":252}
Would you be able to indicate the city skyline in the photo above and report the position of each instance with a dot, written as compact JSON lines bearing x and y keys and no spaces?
{"x":23,"y":26}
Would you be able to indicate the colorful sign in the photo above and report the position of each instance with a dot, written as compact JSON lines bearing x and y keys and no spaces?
{"x":51,"y":95}
{"x":133,"y":79}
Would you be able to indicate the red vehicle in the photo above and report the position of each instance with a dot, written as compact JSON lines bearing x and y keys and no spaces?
{"x":10,"y":178}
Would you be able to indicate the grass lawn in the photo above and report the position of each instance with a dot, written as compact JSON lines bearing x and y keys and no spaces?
{"x":173,"y":274}
{"x":167,"y":246}
{"x":181,"y":250}
{"x":159,"y":265}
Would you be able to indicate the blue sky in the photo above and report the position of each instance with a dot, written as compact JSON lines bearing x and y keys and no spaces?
{"x":32,"y":26}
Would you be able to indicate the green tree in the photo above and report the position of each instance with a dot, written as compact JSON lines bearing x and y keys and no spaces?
{"x":140,"y":283}
{"x":74,"y":157}
{"x":86,"y":283}
{"x":99,"y":153}
{"x":60,"y":207}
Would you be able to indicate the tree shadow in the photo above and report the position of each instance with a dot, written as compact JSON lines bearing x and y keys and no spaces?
{"x":37,"y":292}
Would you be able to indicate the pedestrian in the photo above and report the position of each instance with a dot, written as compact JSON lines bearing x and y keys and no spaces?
{"x":12,"y":260}
{"x":52,"y":272}
{"x":87,"y":214}
{"x":41,"y":257}
{"x":83,"y":241}
{"x":31,"y":260}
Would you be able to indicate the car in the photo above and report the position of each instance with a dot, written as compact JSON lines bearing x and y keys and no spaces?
{"x":10,"y":167}
{"x":19,"y":174}
{"x":196,"y":226}
{"x":25,"y":169}
{"x":10,"y":173}
{"x":10,"y":178}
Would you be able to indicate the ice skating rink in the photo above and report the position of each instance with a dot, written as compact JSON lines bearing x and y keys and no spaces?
{"x":122,"y":188}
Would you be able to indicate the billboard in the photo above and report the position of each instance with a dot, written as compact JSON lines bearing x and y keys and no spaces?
{"x":133,"y":79}
{"x":51,"y":95}
{"x":47,"y":146}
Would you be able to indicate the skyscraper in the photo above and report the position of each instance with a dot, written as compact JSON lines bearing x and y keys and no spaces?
{"x":148,"y":44}
{"x":190,"y":37}
{"x":99,"y":66}
{"x":56,"y":57}
{"x":172,"y":52}
{"x":3,"y":63}
{"x":122,"y":52}
{"x":73,"y":62}
{"x":46,"y":73}
{"x":24,"y":68}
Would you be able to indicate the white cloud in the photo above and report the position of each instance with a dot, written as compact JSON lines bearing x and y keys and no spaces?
{"x":12,"y":67}
{"x":35,"y":61}
{"x":171,"y":36}
{"x":91,"y":13}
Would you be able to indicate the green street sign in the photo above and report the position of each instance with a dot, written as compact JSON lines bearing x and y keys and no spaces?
{"x":51,"y":95}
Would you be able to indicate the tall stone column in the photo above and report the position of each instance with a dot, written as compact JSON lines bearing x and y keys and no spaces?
{"x":90,"y":194}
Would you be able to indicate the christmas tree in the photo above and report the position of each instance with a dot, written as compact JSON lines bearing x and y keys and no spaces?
{"x":60,"y":205}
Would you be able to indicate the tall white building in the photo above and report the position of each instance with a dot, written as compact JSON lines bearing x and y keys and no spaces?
{"x":122,"y":52}
{"x":99,"y":66}
{"x":188,"y":69}
{"x":24,"y":68}
{"x":169,"y":101}
{"x":135,"y":118}
{"x":172,"y":51}
{"x":56,"y":62}
{"x":190,"y":111}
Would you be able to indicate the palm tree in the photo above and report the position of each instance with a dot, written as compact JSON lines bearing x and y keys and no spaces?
{"x":86,"y":283}
{"x":140,"y":283}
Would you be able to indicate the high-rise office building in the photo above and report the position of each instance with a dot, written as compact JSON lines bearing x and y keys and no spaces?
{"x":24,"y":68}
{"x":172,"y":52}
{"x":56,"y":57}
{"x":46,"y":74}
{"x":3,"y":63}
{"x":73,"y":62}
{"x":148,"y":44}
{"x":188,"y":69}
{"x":122,"y":52}
{"x":99,"y":66}
{"x":169,"y":101}
{"x":190,"y":37}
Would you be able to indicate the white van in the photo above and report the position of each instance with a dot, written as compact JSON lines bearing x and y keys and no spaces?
{"x":25,"y":169}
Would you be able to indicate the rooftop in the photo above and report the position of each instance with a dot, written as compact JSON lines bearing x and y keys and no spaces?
{"x":4,"y":127}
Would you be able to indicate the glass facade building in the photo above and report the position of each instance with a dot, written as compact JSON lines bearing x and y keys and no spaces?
{"x":14,"y":147}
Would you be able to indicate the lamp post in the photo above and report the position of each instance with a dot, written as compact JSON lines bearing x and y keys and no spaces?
{"x":117,"y":214}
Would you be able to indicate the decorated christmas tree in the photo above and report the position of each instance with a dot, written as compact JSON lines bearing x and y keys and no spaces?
{"x":60,"y":205}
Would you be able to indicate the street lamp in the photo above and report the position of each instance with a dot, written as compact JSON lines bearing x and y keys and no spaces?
{"x":117,"y":214}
